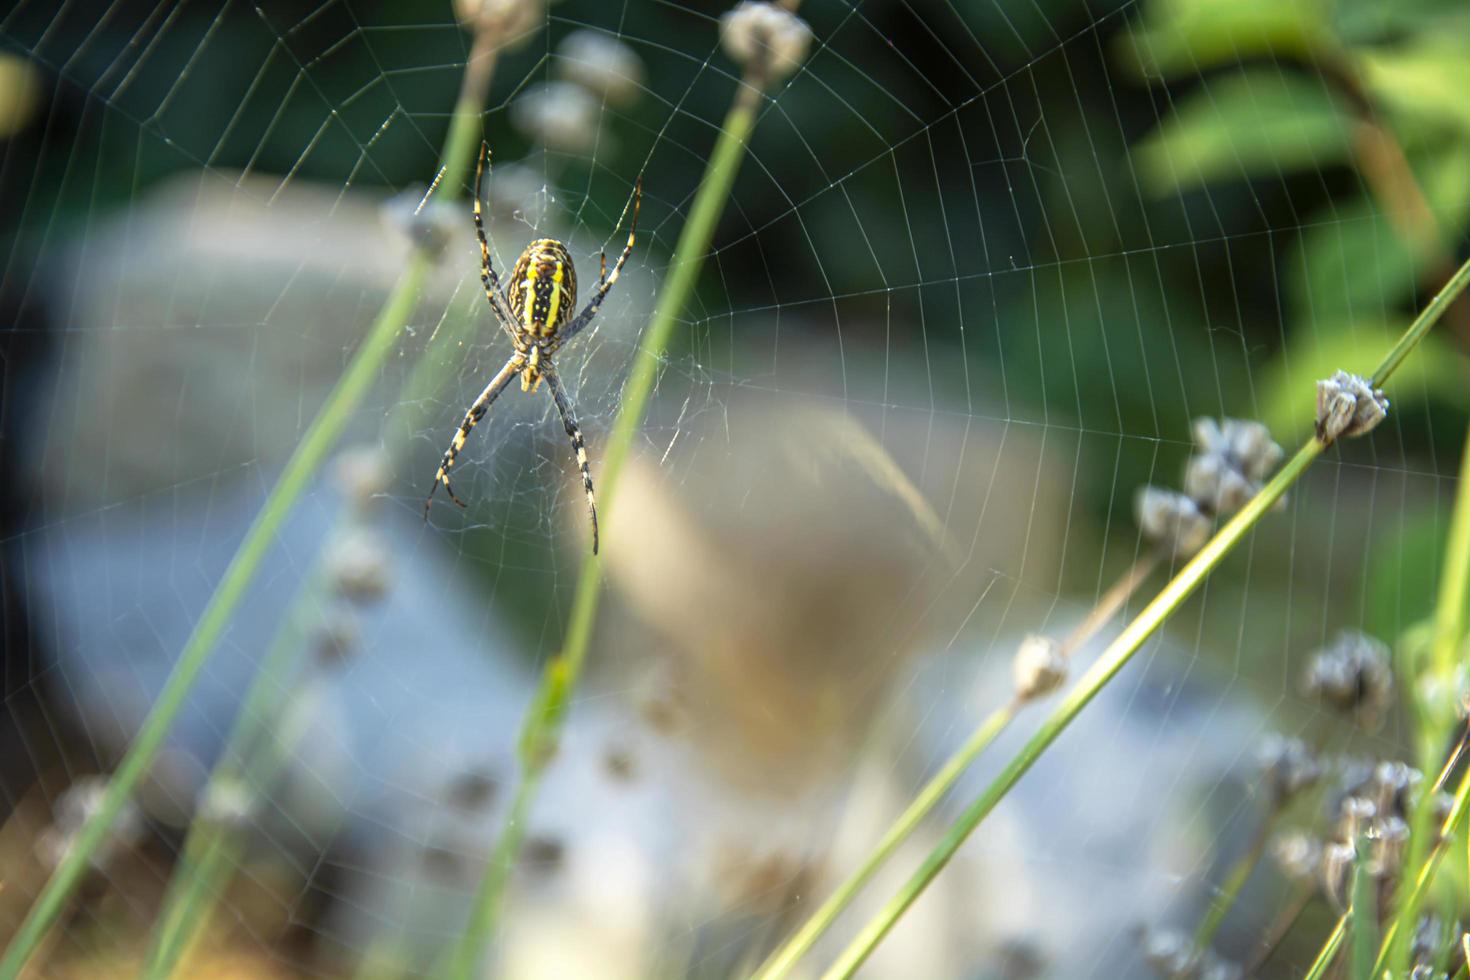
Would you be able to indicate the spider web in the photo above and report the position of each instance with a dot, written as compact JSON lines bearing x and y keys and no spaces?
{"x":946,"y":328}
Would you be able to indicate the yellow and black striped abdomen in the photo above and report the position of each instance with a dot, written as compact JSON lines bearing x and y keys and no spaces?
{"x":543,"y":289}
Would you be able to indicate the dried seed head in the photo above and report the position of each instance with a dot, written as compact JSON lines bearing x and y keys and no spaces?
{"x":619,"y":762}
{"x":472,"y":789}
{"x":1170,"y":953}
{"x":1394,"y":784}
{"x":363,"y":473}
{"x":1172,"y":956}
{"x":1246,"y":445}
{"x":227,"y":802}
{"x":1171,"y":520}
{"x":335,"y":638}
{"x":1215,"y":968}
{"x":544,"y":854}
{"x":1440,"y":806}
{"x":1039,"y":667}
{"x":1337,"y":872}
{"x":77,"y":804}
{"x":444,"y":860}
{"x":1352,"y":675}
{"x":769,"y":41}
{"x":1298,"y":855}
{"x":357,"y":567}
{"x":1232,"y":461}
{"x":1287,"y":767}
{"x":1348,"y":405}
{"x":1355,"y":817}
{"x":1387,"y":840}
{"x":1429,"y":938}
{"x":429,"y":225}
{"x":562,"y":116}
{"x":511,"y":21}
{"x":1213,"y":484}
{"x":602,"y":65}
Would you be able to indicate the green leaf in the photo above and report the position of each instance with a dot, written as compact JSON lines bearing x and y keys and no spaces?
{"x":1259,"y":122}
{"x":1184,"y":37}
{"x":1423,"y":83}
{"x":1353,"y":261}
{"x":1288,"y":391}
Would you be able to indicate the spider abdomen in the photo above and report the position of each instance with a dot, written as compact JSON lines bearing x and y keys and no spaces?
{"x":543,"y":289}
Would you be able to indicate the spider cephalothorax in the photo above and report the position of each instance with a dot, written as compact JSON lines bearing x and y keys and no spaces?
{"x":536,"y":311}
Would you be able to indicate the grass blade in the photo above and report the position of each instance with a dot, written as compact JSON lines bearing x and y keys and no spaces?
{"x":1121,"y":650}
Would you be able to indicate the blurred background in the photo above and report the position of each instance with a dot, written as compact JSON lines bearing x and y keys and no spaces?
{"x":982,"y":268}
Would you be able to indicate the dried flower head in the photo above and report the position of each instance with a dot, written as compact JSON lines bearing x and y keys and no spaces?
{"x":1394,"y":784}
{"x":357,"y":567}
{"x":1337,"y":872}
{"x":1429,"y":938}
{"x":78,"y":804}
{"x":602,"y":65}
{"x":227,"y":802}
{"x":1172,"y":955}
{"x":511,"y":21}
{"x":1348,"y":405}
{"x":1352,"y":675}
{"x":1355,"y":816}
{"x":1388,"y":838}
{"x":472,"y":789}
{"x":1287,"y":767}
{"x":768,"y":40}
{"x":1232,"y":461}
{"x":1297,"y":854}
{"x":562,"y":116}
{"x":363,"y":473}
{"x":1039,"y":667}
{"x":335,"y":637}
{"x":429,"y":225}
{"x":1171,"y":520}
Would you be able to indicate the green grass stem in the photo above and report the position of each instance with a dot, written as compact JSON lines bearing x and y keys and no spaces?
{"x":1122,"y":649}
{"x":1449,"y":632}
{"x":321,"y":436}
{"x":780,"y":963}
{"x":560,"y":679}
{"x":1328,"y":952}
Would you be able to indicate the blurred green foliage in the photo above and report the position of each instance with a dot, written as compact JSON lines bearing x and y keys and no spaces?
{"x":1103,"y":219}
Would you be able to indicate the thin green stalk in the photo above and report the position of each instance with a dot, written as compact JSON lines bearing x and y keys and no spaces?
{"x":564,"y":671}
{"x":1122,"y":649}
{"x":294,"y":479}
{"x":1112,"y":660}
{"x":211,"y":851}
{"x":1240,"y":873}
{"x":785,"y":957}
{"x":210,"y":848}
{"x":328,"y":425}
{"x":1285,"y":922}
{"x":1453,"y":824}
{"x":1449,"y":631}
{"x":1328,"y":952}
{"x":1363,"y":917}
{"x":780,"y":963}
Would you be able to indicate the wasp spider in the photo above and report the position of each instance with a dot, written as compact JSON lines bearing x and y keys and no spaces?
{"x":535,"y":309}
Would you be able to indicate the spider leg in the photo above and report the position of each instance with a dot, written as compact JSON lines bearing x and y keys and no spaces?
{"x":488,"y":278}
{"x":585,"y":317}
{"x":471,"y":418}
{"x":568,"y":419}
